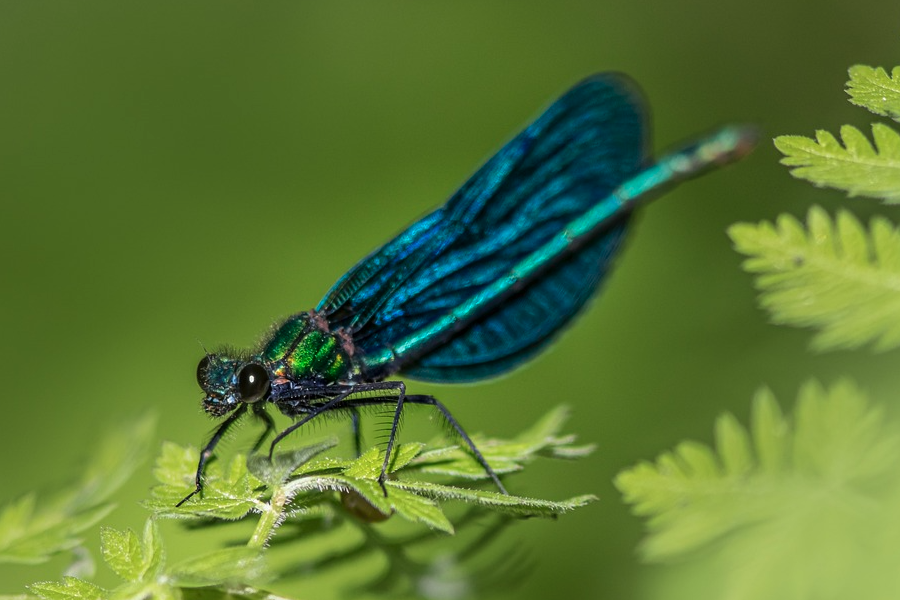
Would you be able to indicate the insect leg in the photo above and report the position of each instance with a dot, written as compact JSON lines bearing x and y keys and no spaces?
{"x":208,"y":450}
{"x":357,"y":434}
{"x":401,"y":396}
{"x":330,"y":405}
{"x":432,"y":401}
{"x":260,"y":412}
{"x":341,"y":401}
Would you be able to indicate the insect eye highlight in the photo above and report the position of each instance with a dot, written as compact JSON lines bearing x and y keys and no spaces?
{"x":253,"y":383}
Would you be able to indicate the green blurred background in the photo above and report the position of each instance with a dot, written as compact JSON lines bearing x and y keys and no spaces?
{"x":173,"y":172}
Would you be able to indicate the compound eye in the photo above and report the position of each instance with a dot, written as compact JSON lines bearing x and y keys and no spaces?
{"x":202,"y":368}
{"x":253,"y":383}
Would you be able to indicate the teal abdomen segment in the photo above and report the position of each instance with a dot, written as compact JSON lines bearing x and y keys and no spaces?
{"x":306,"y":351}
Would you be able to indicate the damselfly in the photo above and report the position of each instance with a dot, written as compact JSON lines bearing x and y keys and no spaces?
{"x":476,"y":287}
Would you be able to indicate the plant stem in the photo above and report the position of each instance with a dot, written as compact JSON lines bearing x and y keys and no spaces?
{"x":271,"y":515}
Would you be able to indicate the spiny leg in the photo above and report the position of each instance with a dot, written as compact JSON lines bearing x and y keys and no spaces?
{"x":260,"y":412}
{"x":357,"y":433}
{"x":432,"y":401}
{"x":340,"y":401}
{"x":401,"y":396}
{"x":356,"y":403}
{"x":330,"y":405}
{"x":206,"y":454}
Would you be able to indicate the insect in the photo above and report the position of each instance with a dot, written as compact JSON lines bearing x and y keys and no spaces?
{"x":474,"y":288}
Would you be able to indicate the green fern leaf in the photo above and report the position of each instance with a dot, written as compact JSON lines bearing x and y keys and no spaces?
{"x":831,"y":275}
{"x":856,"y":167}
{"x":873,"y":89}
{"x":797,"y":508}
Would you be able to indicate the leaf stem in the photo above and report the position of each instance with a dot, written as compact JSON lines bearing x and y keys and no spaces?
{"x":271,"y":514}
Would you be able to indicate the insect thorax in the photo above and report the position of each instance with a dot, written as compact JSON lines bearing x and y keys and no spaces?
{"x":303,"y":347}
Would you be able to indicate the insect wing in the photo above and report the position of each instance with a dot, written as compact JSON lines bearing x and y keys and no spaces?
{"x":579,"y":150}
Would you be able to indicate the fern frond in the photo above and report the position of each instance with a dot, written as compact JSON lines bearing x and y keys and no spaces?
{"x":831,"y":275}
{"x":309,"y":492}
{"x":874,"y":90}
{"x":855,"y":167}
{"x":801,"y":508}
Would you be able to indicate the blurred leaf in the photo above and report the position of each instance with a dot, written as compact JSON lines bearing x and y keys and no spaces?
{"x":834,"y":276}
{"x":228,"y":592}
{"x":71,"y":588}
{"x":856,"y":167}
{"x":873,"y":89}
{"x":32,"y":531}
{"x":33,"y":537}
{"x":240,"y":564}
{"x":82,"y":564}
{"x":807,"y":510}
{"x":120,"y":451}
{"x":770,"y":431}
{"x":134,"y":590}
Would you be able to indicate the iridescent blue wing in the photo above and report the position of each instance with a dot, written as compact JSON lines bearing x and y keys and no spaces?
{"x":588,"y":142}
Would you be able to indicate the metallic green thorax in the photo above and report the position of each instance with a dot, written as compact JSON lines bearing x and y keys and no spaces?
{"x":300,"y":351}
{"x":302,"y":347}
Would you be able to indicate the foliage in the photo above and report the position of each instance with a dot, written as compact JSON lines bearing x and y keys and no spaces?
{"x":32,"y":531}
{"x":304,"y":490}
{"x":141,"y":563}
{"x":834,"y":275}
{"x":856,"y":166}
{"x":802,"y":507}
{"x":294,"y":480}
{"x":875,"y":90}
